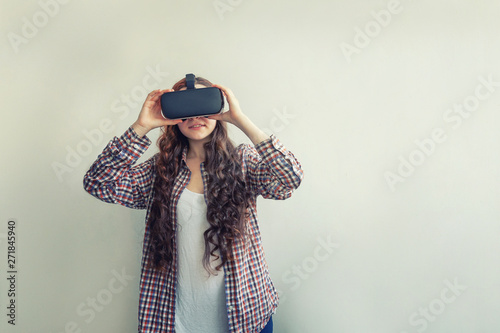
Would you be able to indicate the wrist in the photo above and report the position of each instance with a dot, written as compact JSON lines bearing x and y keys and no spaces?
{"x":139,"y":129}
{"x":254,"y":133}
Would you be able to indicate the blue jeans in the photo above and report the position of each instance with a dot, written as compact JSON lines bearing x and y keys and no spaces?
{"x":269,"y":326}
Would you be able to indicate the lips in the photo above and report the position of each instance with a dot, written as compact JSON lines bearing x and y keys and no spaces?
{"x":196,"y":126}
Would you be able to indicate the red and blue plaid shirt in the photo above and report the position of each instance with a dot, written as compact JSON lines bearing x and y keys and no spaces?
{"x":270,"y":170}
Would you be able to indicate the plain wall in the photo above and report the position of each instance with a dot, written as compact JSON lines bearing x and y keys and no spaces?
{"x":386,"y":104}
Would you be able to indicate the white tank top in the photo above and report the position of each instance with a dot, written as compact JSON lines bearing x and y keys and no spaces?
{"x":200,"y":299}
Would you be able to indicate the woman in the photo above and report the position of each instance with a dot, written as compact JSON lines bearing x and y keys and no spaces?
{"x":203,"y":265}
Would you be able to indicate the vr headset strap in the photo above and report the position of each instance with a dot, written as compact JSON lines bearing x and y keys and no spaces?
{"x":190,"y":81}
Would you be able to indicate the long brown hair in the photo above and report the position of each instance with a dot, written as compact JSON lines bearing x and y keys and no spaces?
{"x":227,"y":195}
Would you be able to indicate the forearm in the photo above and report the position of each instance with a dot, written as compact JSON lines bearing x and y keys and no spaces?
{"x":255,"y":134}
{"x":113,"y":177}
{"x":272,"y":170}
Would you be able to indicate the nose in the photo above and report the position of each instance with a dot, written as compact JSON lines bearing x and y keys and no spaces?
{"x":191,"y":119}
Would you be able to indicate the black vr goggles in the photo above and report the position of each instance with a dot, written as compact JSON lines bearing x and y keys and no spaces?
{"x":192,"y":102}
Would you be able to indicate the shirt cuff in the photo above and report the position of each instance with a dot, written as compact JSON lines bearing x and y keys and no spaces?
{"x":130,"y":137}
{"x":268,"y":148}
{"x":130,"y":146}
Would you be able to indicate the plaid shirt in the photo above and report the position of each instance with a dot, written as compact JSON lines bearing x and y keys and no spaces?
{"x":270,"y":170}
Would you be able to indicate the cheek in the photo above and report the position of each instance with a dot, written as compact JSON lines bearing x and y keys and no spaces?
{"x":211,"y":124}
{"x":182,"y":127}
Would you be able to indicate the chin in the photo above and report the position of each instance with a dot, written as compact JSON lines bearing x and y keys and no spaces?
{"x":198,"y":136}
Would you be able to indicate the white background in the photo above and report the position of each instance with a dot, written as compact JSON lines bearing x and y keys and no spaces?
{"x":350,"y":118}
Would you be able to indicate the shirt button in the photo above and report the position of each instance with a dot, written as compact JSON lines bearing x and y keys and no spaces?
{"x":269,"y":150}
{"x":230,"y":308}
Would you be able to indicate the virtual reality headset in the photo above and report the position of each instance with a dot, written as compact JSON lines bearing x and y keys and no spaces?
{"x":192,"y":102}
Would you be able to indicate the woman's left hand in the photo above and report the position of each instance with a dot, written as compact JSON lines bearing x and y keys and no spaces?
{"x":234,"y":115}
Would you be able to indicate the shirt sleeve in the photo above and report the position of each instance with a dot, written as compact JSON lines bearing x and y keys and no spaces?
{"x":114,"y":178}
{"x":271,"y":170}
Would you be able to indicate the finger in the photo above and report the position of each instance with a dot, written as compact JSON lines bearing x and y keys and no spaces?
{"x":172,"y":121}
{"x":160,"y":92}
{"x":225,"y":89}
{"x":228,"y":93}
{"x":223,"y":116}
{"x":152,"y":94}
{"x":215,"y":116}
{"x":156,"y":95}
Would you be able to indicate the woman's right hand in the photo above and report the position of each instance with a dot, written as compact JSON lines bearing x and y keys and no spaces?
{"x":150,"y":116}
